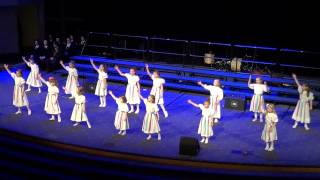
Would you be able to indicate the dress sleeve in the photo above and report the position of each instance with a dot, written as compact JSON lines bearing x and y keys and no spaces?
{"x":251,"y":86}
{"x":300,"y":89}
{"x":265,"y":89}
{"x":13,"y":75}
{"x":207,"y":87}
{"x":201,"y":106}
{"x":127,"y":75}
{"x":275,"y":118}
{"x":311,"y":96}
{"x":156,"y":108}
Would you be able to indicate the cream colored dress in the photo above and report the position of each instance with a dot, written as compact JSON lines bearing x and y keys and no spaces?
{"x":121,"y":121}
{"x":257,"y":104}
{"x":302,"y":111}
{"x":78,"y":113}
{"x":101,"y":89}
{"x":132,"y":93}
{"x":52,"y":104}
{"x":205,"y":128}
{"x":216,"y":95}
{"x":267,"y":135}
{"x":20,"y":98}
{"x":151,"y":119}
{"x":72,"y":80}
{"x":156,"y":89}
{"x":33,"y":79}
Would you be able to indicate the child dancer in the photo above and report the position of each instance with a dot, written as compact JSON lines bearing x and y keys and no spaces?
{"x":52,"y":106}
{"x":133,"y":88}
{"x":257,"y":101}
{"x":72,"y":80}
{"x":157,"y":89}
{"x":121,"y":119}
{"x":206,"y":122}
{"x":79,"y":110}
{"x":101,"y":88}
{"x":302,"y":111}
{"x":20,"y":98}
{"x":216,"y":95}
{"x":33,"y":78}
{"x":151,"y":119}
{"x":269,"y":133}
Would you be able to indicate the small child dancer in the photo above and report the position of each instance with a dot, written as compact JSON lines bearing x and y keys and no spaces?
{"x":133,"y":88}
{"x":101,"y":88}
{"x":302,"y":111}
{"x":157,"y":89}
{"x":151,"y":119}
{"x":206,"y":122}
{"x":52,"y":106}
{"x":257,"y":101}
{"x":33,"y":78}
{"x":269,"y":133}
{"x":216,"y":95}
{"x":72,"y":80}
{"x":20,"y":98}
{"x":79,"y":110}
{"x":121,"y":121}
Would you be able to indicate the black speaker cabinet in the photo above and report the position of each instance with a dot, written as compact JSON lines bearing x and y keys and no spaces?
{"x":236,"y":103}
{"x":189,"y":146}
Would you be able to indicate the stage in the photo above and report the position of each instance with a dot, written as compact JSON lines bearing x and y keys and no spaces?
{"x":236,"y":138}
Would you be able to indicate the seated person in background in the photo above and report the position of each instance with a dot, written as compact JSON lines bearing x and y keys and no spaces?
{"x":68,"y":48}
{"x":36,"y":50}
{"x":54,"y":58}
{"x":45,"y":53}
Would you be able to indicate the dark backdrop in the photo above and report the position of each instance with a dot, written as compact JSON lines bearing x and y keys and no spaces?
{"x":286,"y":24}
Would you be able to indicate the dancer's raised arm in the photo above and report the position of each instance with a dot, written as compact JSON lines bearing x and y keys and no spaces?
{"x":296,"y":79}
{"x":112,"y":95}
{"x":148,"y":71}
{"x":6,"y":66}
{"x":193,"y":104}
{"x":25,"y":61}
{"x":64,"y":67}
{"x":93,"y":65}
{"x":116,"y":67}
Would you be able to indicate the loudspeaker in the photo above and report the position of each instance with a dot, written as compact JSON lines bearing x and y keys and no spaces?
{"x":90,"y":87}
{"x":235,"y":103}
{"x":189,"y":146}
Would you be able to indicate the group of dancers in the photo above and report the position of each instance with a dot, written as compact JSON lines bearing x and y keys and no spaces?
{"x":130,"y":102}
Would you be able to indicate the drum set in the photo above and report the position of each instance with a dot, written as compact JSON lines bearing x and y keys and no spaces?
{"x":235,"y":64}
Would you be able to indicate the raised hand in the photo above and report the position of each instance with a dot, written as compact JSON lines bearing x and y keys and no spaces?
{"x":189,"y":101}
{"x":199,"y":83}
{"x":116,"y":67}
{"x":110,"y":92}
{"x":6,"y":66}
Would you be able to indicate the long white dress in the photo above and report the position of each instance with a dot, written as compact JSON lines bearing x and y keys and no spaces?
{"x":78,"y":113}
{"x":257,"y":104}
{"x":205,"y":128}
{"x":33,"y":79}
{"x":151,"y":119}
{"x":267,"y":135}
{"x":20,"y":98}
{"x":121,"y":121}
{"x":132,"y":93}
{"x":72,"y":80}
{"x":52,"y":104}
{"x":101,"y":90}
{"x":216,"y":95}
{"x":156,"y":89}
{"x":302,"y":111}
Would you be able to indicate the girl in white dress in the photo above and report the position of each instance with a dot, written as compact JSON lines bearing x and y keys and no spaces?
{"x":33,"y":78}
{"x":257,"y":102}
{"x":79,"y":110}
{"x":151,"y":119}
{"x":157,"y":89}
{"x":206,"y":122}
{"x":72,"y":80}
{"x":304,"y":106}
{"x":133,"y":88}
{"x":269,"y":133}
{"x":52,"y":106}
{"x":216,"y":95}
{"x":121,"y":121}
{"x":20,"y":98}
{"x":101,"y":88}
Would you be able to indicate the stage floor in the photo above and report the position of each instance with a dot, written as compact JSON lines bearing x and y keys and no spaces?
{"x":233,"y":135}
